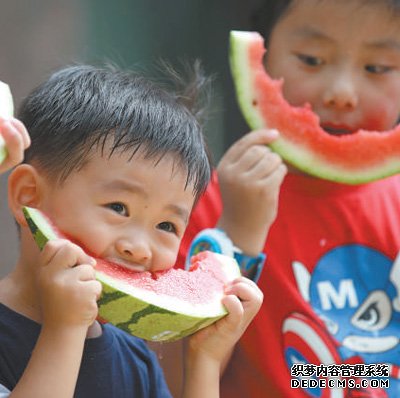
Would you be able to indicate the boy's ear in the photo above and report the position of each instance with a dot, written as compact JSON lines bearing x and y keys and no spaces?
{"x":25,"y":188}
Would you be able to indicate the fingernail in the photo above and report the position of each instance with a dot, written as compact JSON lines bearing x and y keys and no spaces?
{"x":227,"y":289}
{"x":273,"y":133}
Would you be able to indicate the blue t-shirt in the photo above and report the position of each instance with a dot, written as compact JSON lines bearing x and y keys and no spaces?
{"x":114,"y":365}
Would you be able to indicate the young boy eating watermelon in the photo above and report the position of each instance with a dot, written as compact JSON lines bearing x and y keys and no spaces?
{"x":117,"y":162}
{"x":331,"y":281}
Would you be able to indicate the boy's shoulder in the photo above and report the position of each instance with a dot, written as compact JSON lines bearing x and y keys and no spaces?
{"x":115,"y":355}
{"x":18,"y":336}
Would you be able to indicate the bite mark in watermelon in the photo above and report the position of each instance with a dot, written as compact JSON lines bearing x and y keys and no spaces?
{"x":158,"y":306}
{"x":355,"y":158}
{"x":7,"y":111}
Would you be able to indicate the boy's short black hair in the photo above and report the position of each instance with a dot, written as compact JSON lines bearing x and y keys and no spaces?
{"x":268,"y":13}
{"x":264,"y":17}
{"x":83,"y":107}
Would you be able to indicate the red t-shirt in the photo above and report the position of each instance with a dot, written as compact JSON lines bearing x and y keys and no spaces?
{"x":331,"y":287}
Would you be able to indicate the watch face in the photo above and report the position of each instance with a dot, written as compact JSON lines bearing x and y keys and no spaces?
{"x":204,"y":243}
{"x":211,"y":239}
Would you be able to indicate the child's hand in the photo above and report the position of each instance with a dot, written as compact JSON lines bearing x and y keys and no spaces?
{"x":243,"y":300}
{"x":250,"y":175}
{"x":67,"y":286}
{"x":16,"y":140}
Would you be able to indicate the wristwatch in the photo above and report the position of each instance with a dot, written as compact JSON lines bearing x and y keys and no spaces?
{"x":217,"y":241}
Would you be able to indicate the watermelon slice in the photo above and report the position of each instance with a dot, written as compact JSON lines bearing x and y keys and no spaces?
{"x":355,"y":158}
{"x":6,"y":110}
{"x":159,"y":306}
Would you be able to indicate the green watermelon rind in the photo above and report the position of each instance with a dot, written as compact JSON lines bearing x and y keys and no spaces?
{"x":294,"y":153}
{"x":6,"y":111}
{"x":150,"y":318}
{"x":242,"y":78}
{"x":140,"y":312}
{"x":40,"y":227}
{"x":175,"y":318}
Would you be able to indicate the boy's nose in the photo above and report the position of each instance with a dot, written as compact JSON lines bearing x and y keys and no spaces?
{"x":135,"y":250}
{"x":341,"y":93}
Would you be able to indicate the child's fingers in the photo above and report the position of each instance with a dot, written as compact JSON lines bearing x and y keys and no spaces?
{"x":95,"y":288}
{"x":234,"y":308}
{"x":275,"y":178}
{"x":253,"y":156}
{"x":85,"y":272}
{"x":265,"y":167}
{"x":246,"y":290}
{"x":257,"y":137}
{"x":22,"y":131}
{"x":13,"y":142}
{"x":244,"y":280}
{"x":65,"y":254}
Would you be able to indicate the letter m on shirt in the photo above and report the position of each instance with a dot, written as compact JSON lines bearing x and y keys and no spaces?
{"x":344,"y":294}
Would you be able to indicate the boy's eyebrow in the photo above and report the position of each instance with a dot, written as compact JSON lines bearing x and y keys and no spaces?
{"x":179,"y":211}
{"x":122,"y":185}
{"x":389,"y":44}
{"x":307,"y":32}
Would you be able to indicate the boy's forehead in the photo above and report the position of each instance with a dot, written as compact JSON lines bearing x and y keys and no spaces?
{"x":112,"y":164}
{"x":110,"y":150}
{"x":320,"y":17}
{"x":121,"y":175}
{"x":392,"y":7}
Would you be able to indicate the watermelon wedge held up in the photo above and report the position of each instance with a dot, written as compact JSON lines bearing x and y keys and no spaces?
{"x":6,"y":110}
{"x":160,"y":306}
{"x":355,"y":158}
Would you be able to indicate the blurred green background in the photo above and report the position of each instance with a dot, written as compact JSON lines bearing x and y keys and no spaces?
{"x":39,"y":36}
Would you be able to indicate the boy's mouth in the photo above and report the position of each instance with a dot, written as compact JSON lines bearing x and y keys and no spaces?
{"x":337,"y":129}
{"x":126,"y":264}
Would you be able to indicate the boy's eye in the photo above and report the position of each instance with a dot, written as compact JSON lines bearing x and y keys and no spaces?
{"x":167,"y":227}
{"x":119,"y":208}
{"x":378,"y":69}
{"x":310,"y":60}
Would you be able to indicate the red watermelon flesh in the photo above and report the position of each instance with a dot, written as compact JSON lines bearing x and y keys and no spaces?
{"x":184,"y":285}
{"x":354,"y":158}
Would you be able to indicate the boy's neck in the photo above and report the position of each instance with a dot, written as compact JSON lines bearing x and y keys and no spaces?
{"x":17,"y":293}
{"x":19,"y":296}
{"x":18,"y":288}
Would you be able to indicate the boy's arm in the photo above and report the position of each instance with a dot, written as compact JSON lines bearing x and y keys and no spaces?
{"x":53,"y":368}
{"x":208,"y":349}
{"x":68,"y":293}
{"x":250,"y":175}
{"x":14,"y":139}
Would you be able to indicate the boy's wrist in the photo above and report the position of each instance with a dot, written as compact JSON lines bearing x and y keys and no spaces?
{"x":202,"y":374}
{"x":248,"y":236}
{"x":64,"y":332}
